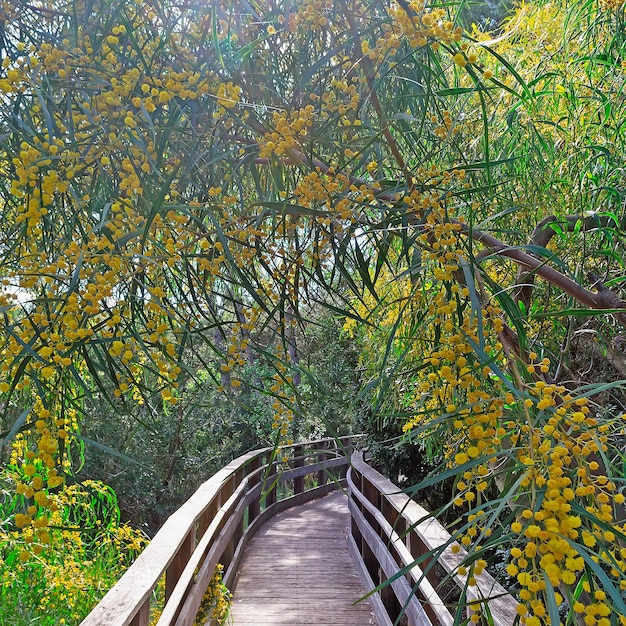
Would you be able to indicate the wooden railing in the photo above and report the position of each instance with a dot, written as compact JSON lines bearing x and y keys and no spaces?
{"x":399,"y":547}
{"x":213,"y":527}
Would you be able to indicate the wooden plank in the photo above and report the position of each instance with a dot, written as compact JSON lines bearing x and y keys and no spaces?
{"x":232,"y":574}
{"x":190,"y":594}
{"x":297,"y":571}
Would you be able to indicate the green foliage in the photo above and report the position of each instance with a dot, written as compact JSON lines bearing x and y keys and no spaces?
{"x":155,"y":459}
{"x":216,"y":602}
{"x":78,"y":556}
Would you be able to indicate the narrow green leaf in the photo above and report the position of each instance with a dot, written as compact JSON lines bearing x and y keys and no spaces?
{"x":17,"y":425}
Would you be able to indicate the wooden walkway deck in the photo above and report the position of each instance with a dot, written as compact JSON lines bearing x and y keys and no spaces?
{"x":297,"y":571}
{"x":298,"y":568}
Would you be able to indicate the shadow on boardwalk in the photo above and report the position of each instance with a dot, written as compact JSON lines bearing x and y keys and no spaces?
{"x":297,"y":571}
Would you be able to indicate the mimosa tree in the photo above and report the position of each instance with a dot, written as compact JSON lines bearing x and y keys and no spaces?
{"x":178,"y":176}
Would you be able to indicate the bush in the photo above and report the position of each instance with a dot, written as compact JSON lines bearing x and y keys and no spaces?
{"x":71,"y":561}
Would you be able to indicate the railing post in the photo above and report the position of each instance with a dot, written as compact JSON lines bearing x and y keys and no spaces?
{"x":387,"y":594}
{"x":354,"y":527}
{"x":343,"y":449}
{"x":322,"y":474}
{"x":227,"y":491}
{"x":372,"y":494}
{"x":255,"y":506}
{"x":206,"y":518}
{"x":270,"y":485}
{"x":298,"y":461}
{"x":142,"y":618}
{"x":179,"y":562}
{"x":347,"y":444}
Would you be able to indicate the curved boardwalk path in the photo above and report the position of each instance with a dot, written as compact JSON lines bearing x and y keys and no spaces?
{"x":297,"y":571}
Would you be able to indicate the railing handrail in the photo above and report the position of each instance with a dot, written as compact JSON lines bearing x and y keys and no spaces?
{"x":213,"y":527}
{"x":395,"y":541}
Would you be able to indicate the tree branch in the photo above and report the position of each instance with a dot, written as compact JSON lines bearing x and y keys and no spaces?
{"x":604,"y":298}
{"x":541,"y":236}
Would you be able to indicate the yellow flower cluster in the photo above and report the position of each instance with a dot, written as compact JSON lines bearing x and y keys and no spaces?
{"x":216,"y":601}
{"x":341,"y":98}
{"x":290,"y":131}
{"x":34,"y":454}
{"x":421,"y":26}
{"x":455,"y":382}
{"x":466,"y":57}
{"x":282,"y":391}
{"x":238,"y":344}
{"x":612,"y":5}
{"x":72,"y":567}
{"x":311,"y":14}
{"x":559,"y":446}
{"x":324,"y":192}
{"x":560,"y":451}
{"x":454,"y":378}
{"x":414,"y":24}
{"x":228,"y":96}
{"x":440,"y":236}
{"x":446,"y":128}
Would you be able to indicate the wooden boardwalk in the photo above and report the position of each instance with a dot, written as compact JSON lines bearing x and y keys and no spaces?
{"x":297,"y":571}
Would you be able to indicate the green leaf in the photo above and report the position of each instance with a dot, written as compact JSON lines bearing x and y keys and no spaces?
{"x":17,"y":426}
{"x":553,"y":609}
{"x":111,"y":451}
